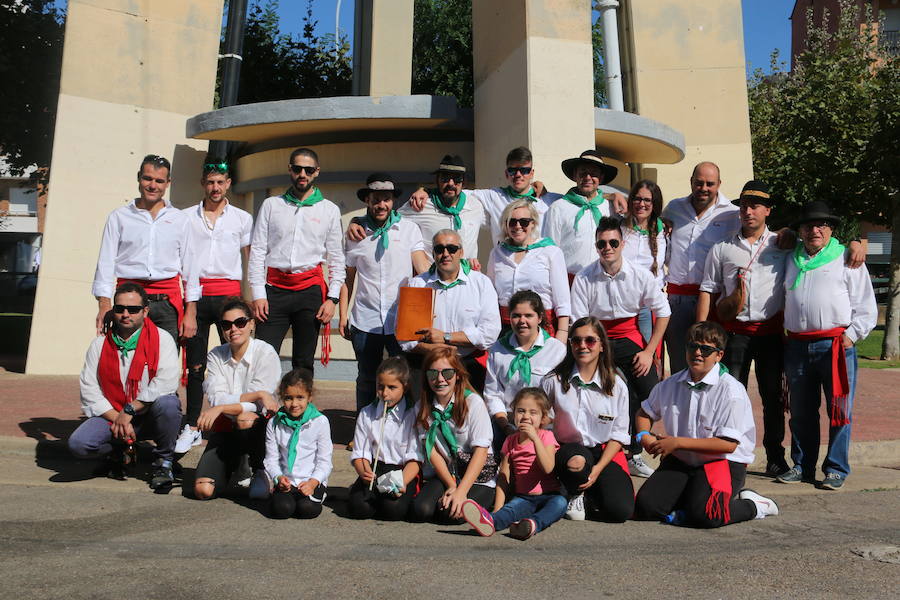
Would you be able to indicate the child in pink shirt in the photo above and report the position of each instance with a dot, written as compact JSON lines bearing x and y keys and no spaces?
{"x":529,"y":456}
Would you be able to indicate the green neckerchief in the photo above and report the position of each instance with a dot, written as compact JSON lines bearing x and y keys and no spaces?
{"x":529,"y":195}
{"x":440,"y":425}
{"x":463,"y":265}
{"x":382,"y":232}
{"x":700,"y":385}
{"x":585,"y":204}
{"x":576,"y":379}
{"x":126,"y":346}
{"x":314,"y":198}
{"x":659,"y":227}
{"x":833,"y":250}
{"x":450,"y":210}
{"x":522,"y":361}
{"x":282,"y":418}
{"x":538,"y":244}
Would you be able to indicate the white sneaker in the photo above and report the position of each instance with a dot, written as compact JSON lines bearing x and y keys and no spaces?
{"x":260,"y":487}
{"x":638,"y":468}
{"x":575,"y":510}
{"x":765,"y":507}
{"x":187,"y":439}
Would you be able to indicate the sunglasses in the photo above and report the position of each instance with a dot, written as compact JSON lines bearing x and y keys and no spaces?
{"x":159,"y":161}
{"x":601,"y":244}
{"x":511,"y":171}
{"x":589,"y":341}
{"x":455,"y":177}
{"x":447,"y":374}
{"x":705,"y":349}
{"x":450,"y":248}
{"x":132,"y":309}
{"x":215,"y":168}
{"x":523,"y":223}
{"x":297,"y":169}
{"x":240,"y":323}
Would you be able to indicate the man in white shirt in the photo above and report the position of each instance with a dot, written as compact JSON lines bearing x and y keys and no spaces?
{"x":128,"y":385}
{"x":748,"y":272}
{"x":294,"y":234}
{"x":219,"y":237}
{"x":828,"y":308}
{"x":145,"y":242}
{"x":377,"y":265}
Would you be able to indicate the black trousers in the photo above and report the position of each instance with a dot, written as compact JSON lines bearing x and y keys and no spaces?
{"x":208,"y":312}
{"x":639,"y":388}
{"x":295,"y":503}
{"x":163,"y":314}
{"x":677,"y":485}
{"x":425,"y":506}
{"x":365,"y":504}
{"x":612,"y":494}
{"x":224,"y":450}
{"x":768,"y":353}
{"x":477,"y":373}
{"x":297,"y":311}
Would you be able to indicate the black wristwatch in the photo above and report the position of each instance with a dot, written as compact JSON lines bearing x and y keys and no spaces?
{"x":333,"y":299}
{"x":128,"y":409}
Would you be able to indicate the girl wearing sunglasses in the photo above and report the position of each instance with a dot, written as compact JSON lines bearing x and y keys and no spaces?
{"x":523,"y":262}
{"x":591,"y":424}
{"x":241,"y":377}
{"x":458,"y":458}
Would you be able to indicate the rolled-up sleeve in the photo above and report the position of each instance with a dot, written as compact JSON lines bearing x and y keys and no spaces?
{"x":485,"y":331}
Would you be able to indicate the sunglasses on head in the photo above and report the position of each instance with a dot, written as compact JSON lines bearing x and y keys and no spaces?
{"x":215,"y":168}
{"x":601,"y":244}
{"x":589,"y":341}
{"x":447,"y":374}
{"x":455,"y":177}
{"x":240,"y":323}
{"x":511,"y":171}
{"x":132,"y":309}
{"x":523,"y":223}
{"x":705,"y":349}
{"x":450,"y":248}
{"x":309,"y":170}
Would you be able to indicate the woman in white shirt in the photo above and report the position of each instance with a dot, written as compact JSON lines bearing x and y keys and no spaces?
{"x":241,"y":376}
{"x":524,"y":262}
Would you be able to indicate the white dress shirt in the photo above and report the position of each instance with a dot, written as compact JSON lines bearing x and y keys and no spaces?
{"x":314,"y":449}
{"x":693,"y":236}
{"x":295,"y":239}
{"x":577,"y":246}
{"x":401,"y":437}
{"x":596,"y":293}
{"x":763,"y":282}
{"x":584,"y":414}
{"x":470,"y":307}
{"x":833,"y":295}
{"x":380,"y":272}
{"x":637,"y":251}
{"x":542,"y":270}
{"x":494,"y":200}
{"x":259,"y":370}
{"x":137,"y":246}
{"x":499,"y":390}
{"x":475,"y":432}
{"x":215,"y":248}
{"x":431,"y":220}
{"x":168,"y":375}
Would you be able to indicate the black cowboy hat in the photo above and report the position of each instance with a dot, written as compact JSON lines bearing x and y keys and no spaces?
{"x":816,"y":211}
{"x":589,"y":157}
{"x":755,"y":191}
{"x":378,"y":182}
{"x":451,"y":164}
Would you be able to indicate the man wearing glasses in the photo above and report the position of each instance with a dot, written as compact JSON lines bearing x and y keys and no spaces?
{"x":466,"y":314}
{"x":296,"y":233}
{"x":128,"y":388}
{"x":219,"y":237}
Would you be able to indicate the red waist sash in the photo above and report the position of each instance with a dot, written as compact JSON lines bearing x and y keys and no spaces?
{"x":683,"y":289}
{"x":550,"y":322}
{"x":211,"y":286}
{"x":719,"y":476}
{"x":170,"y":287}
{"x":618,"y":458}
{"x":625,"y":328}
{"x":773,"y":326}
{"x":301,"y":281}
{"x":840,"y":382}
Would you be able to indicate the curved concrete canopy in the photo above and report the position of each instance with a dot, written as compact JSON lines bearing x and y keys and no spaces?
{"x":264,"y":121}
{"x":636,"y":139}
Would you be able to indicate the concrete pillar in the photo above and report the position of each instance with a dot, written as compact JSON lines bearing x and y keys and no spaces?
{"x":132,"y":73}
{"x":382,"y":48}
{"x":533,"y":85}
{"x":613,"y":69}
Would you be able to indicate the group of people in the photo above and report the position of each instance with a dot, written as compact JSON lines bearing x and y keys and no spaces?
{"x":534,"y":392}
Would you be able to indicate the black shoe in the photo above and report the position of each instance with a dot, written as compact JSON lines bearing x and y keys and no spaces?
{"x":113,"y":466}
{"x":162,"y":476}
{"x":776,"y":468}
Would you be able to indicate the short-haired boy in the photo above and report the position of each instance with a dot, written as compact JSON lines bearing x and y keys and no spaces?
{"x":708,"y":444}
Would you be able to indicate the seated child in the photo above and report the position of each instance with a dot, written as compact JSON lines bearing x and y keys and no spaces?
{"x":298,"y":450}
{"x":709,"y":443}
{"x":529,"y":455}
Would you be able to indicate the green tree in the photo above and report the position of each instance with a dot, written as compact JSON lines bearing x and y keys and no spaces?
{"x":828,"y":130}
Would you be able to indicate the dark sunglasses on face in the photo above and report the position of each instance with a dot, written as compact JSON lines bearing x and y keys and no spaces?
{"x":523,"y":223}
{"x":447,"y":374}
{"x":132,"y":309}
{"x":589,"y":341}
{"x":455,"y":177}
{"x":297,"y":169}
{"x":450,"y":248}
{"x":511,"y":171}
{"x":240,"y":323}
{"x":705,"y":349}
{"x":601,"y":244}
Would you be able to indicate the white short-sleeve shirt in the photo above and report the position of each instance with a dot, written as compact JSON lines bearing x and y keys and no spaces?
{"x":215,"y":248}
{"x":584,"y":414}
{"x":693,"y":236}
{"x":431,"y":220}
{"x":596,"y":293}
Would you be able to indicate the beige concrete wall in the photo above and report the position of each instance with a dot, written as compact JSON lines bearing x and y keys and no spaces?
{"x":158,"y":68}
{"x":689,"y":73}
{"x":388,"y":37}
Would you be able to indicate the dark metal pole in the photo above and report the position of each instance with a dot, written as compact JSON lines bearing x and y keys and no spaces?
{"x":231,"y":64}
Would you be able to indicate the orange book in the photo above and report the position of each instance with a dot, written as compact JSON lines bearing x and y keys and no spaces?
{"x":415,"y":311}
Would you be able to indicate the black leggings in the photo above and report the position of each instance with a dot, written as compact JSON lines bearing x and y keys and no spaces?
{"x":425,"y":506}
{"x":677,"y":485}
{"x":294,"y":503}
{"x":365,"y":504}
{"x":224,"y":451}
{"x":612,"y":494}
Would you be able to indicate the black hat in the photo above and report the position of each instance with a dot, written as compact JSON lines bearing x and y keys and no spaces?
{"x":755,"y":191}
{"x":451,"y":164}
{"x":378,"y":182}
{"x":589,"y":157}
{"x":816,"y":211}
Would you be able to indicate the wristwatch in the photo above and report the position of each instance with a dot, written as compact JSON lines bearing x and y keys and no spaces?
{"x":128,"y":409}
{"x":447,"y":337}
{"x":333,"y":299}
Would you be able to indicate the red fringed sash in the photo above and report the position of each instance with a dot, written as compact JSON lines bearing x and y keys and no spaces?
{"x":212,"y":286}
{"x":840,"y":382}
{"x":145,"y":355}
{"x":719,"y":476}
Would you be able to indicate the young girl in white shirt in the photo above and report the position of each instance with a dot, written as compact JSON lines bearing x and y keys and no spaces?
{"x":385,"y":447}
{"x":298,"y":450}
